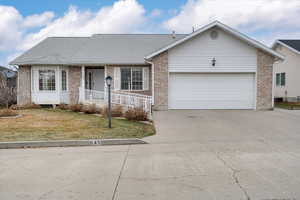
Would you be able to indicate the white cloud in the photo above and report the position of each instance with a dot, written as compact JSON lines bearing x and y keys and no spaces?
{"x":20,"y":33}
{"x":38,"y":20}
{"x":252,"y":15}
{"x":10,"y":33}
{"x":123,"y":16}
{"x":14,"y":26}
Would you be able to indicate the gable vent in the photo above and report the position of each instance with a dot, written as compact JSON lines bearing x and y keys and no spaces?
{"x":214,"y":34}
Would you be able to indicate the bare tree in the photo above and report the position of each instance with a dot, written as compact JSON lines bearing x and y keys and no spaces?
{"x":8,"y":94}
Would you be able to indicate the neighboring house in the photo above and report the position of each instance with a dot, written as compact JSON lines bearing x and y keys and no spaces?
{"x":8,"y":79}
{"x":9,"y":75}
{"x":287,"y":73}
{"x":215,"y":67}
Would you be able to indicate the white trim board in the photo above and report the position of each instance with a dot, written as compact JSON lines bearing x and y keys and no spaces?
{"x":225,"y":28}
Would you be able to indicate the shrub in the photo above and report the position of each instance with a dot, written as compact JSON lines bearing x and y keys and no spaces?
{"x":63,"y":107}
{"x":90,"y":109}
{"x":14,"y":107}
{"x":8,"y":113}
{"x":116,"y":111}
{"x":136,"y":114}
{"x":28,"y":106}
{"x":76,"y":107}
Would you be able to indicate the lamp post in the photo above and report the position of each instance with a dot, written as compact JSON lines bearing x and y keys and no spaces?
{"x":108,"y":81}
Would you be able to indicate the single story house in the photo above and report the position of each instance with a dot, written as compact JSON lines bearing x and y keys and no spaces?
{"x":214,"y":67}
{"x":287,"y":73}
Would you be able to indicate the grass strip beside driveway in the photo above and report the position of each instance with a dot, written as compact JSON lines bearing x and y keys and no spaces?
{"x":288,"y":105}
{"x":50,"y":124}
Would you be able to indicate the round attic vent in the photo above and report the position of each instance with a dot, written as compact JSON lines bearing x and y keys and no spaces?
{"x":214,"y":35}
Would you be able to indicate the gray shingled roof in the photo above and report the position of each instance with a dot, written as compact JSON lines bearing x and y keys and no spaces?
{"x":98,"y":49}
{"x":295,"y":44}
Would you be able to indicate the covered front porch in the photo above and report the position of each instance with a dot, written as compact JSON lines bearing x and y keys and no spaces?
{"x":93,"y":90}
{"x":92,"y":86}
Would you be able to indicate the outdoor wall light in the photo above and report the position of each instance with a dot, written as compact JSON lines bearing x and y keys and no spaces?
{"x":213,"y":62}
{"x":108,"y":81}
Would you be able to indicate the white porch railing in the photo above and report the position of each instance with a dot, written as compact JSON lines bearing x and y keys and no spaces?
{"x":91,"y":96}
{"x":126,"y":99}
{"x":131,"y":100}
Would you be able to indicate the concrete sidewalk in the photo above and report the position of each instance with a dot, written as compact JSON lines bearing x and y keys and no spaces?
{"x":209,"y":155}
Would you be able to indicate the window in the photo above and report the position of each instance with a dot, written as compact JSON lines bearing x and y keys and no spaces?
{"x":132,"y":78}
{"x":280,"y":79}
{"x":46,"y":80}
{"x":63,"y":80}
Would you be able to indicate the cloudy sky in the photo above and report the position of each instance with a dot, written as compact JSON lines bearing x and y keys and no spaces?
{"x":25,"y":23}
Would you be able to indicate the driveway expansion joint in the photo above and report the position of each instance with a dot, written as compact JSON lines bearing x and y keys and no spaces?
{"x":120,"y":174}
{"x":234,"y":176}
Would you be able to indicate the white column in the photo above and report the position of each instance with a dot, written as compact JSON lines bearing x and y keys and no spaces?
{"x":82,"y":85}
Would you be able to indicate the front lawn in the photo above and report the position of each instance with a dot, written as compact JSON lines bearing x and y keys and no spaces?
{"x":288,"y":105}
{"x":50,"y":124}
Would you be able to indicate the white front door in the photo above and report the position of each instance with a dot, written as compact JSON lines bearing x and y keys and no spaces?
{"x":211,"y":91}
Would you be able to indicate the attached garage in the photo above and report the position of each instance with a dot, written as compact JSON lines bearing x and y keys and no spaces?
{"x":214,"y":67}
{"x":211,"y":91}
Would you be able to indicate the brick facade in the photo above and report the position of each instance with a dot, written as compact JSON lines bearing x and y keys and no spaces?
{"x":74,"y":83}
{"x":24,"y":85}
{"x":161,"y":76}
{"x":110,"y":72}
{"x":264,"y":81}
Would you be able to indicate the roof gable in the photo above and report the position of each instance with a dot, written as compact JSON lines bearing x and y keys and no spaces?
{"x":225,"y":28}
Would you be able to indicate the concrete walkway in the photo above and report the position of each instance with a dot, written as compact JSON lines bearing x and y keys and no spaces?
{"x":195,"y":155}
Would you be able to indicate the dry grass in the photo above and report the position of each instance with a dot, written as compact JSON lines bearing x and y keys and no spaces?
{"x":49,"y":124}
{"x":7,"y":113}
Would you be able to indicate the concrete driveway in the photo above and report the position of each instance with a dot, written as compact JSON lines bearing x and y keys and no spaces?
{"x":195,"y":155}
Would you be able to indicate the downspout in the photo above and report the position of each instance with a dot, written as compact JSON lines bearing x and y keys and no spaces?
{"x":152,"y":81}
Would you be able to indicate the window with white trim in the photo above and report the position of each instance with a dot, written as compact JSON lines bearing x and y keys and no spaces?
{"x":46,"y":80}
{"x":132,"y":78}
{"x":64,"y":80}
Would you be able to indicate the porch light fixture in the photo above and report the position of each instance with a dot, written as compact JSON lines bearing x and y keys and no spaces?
{"x":108,"y":81}
{"x":213,"y":62}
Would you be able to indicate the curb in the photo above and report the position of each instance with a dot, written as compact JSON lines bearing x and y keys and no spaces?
{"x":70,"y":143}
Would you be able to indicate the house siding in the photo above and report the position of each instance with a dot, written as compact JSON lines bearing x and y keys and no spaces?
{"x":74,"y":82}
{"x":110,"y":72}
{"x":196,"y":54}
{"x":24,"y":85}
{"x":264,"y":81}
{"x":161,"y":76}
{"x":291,"y":67}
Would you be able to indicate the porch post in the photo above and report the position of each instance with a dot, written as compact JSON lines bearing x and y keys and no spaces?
{"x":82,"y":85}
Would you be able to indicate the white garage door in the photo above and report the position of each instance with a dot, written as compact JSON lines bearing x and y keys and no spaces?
{"x":211,"y":91}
